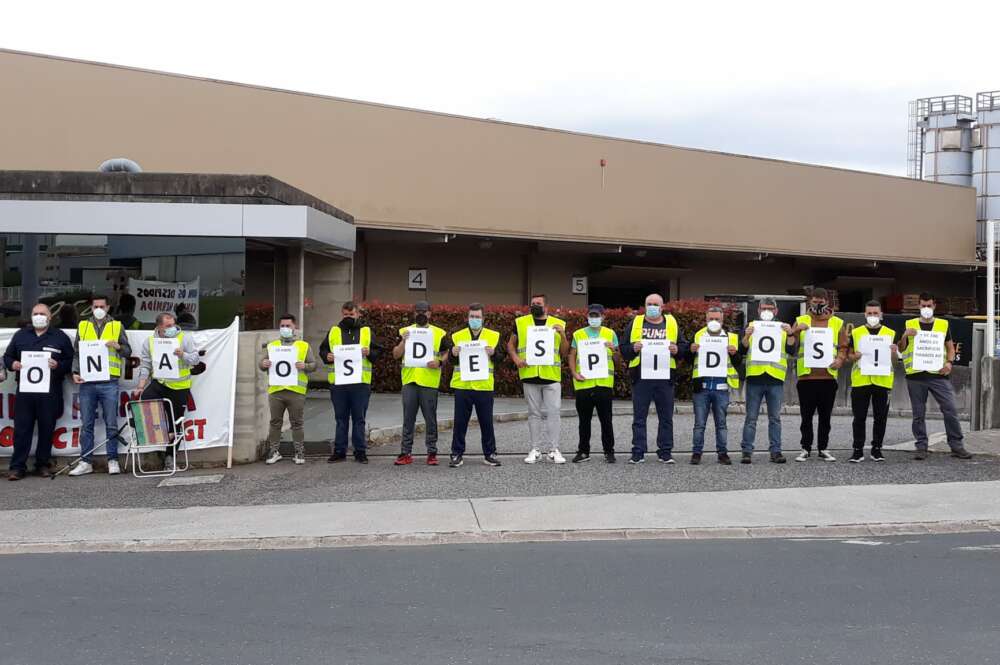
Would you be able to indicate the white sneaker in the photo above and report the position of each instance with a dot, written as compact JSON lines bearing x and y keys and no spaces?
{"x":300,"y":459}
{"x":113,"y":468}
{"x":82,"y":469}
{"x":557,"y":457}
{"x":533,"y":456}
{"x":825,"y":456}
{"x":276,"y":457}
{"x":803,"y":456}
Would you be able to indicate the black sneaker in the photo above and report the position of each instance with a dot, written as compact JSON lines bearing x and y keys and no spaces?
{"x":961,"y":453}
{"x":609,"y":458}
{"x":695,"y":458}
{"x":456,"y":461}
{"x":921,"y":454}
{"x":491,"y":460}
{"x":636,"y":459}
{"x":857,"y":456}
{"x":361,"y":458}
{"x":666,"y":459}
{"x":724,"y":459}
{"x":876,"y":455}
{"x":747,"y":458}
{"x":778,"y":458}
{"x":336,"y":457}
{"x":581,"y":457}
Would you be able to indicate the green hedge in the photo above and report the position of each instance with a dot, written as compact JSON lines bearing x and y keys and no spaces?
{"x":386,"y":320}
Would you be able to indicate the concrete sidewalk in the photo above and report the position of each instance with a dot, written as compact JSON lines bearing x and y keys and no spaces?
{"x":846,"y":511}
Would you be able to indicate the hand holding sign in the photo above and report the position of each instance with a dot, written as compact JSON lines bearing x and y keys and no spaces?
{"x":282,"y":371}
{"x":94,"y":361}
{"x":36,"y":374}
{"x":473,"y":363}
{"x":165,"y":361}
{"x":818,"y":348}
{"x":712,"y":356}
{"x":540,"y":348}
{"x":347,"y":366}
{"x":654,"y":360}
{"x":592,"y":357}
{"x":418,"y":349}
{"x":876,"y":357}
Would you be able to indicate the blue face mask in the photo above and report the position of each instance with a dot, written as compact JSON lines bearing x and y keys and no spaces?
{"x":170,"y":332}
{"x":653,"y":311}
{"x":594,"y":321}
{"x":475,"y":324}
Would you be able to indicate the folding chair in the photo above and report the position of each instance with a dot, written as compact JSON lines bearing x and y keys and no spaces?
{"x":149,"y":422}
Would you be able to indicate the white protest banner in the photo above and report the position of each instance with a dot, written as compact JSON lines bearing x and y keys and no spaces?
{"x":473,"y":363}
{"x":876,"y":356}
{"x":152,"y":298}
{"x":166,"y":364}
{"x":928,"y":351}
{"x":282,"y":371}
{"x":94,"y":361}
{"x":35,"y":371}
{"x":540,"y":347}
{"x":419,"y":347}
{"x":348,"y":367}
{"x":818,"y":347}
{"x":592,"y":358}
{"x":713,"y":352}
{"x":765,"y":342}
{"x":208,"y":421}
{"x":654,"y":362}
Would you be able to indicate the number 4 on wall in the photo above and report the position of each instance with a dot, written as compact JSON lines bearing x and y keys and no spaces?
{"x":417,"y":279}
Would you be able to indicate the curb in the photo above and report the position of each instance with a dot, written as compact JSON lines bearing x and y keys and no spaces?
{"x":498,"y":537}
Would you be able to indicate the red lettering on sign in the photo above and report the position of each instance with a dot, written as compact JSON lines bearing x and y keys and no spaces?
{"x":6,"y":437}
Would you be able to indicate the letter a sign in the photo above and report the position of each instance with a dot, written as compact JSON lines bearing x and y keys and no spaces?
{"x":94,"y":361}
{"x":166,"y":364}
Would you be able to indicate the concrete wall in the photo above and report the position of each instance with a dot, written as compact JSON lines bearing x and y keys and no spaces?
{"x":404,"y":169}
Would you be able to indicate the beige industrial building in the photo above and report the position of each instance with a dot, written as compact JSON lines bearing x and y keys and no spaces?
{"x":457,"y":209}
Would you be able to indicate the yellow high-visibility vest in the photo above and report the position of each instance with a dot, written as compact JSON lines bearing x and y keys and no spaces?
{"x":551,"y":372}
{"x":424,"y":376}
{"x":184,"y":382}
{"x":335,"y":338}
{"x":940,"y":326}
{"x":732,"y":376}
{"x":608,"y":335}
{"x":490,"y":338}
{"x":778,"y":370}
{"x":835,"y":324}
{"x":857,"y":378}
{"x":112,"y":331}
{"x":635,"y":335}
{"x":301,"y":351}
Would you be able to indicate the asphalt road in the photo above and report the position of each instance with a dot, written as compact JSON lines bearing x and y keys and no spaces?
{"x":914,"y":601}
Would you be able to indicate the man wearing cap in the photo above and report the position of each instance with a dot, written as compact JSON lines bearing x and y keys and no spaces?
{"x":420,"y":385}
{"x":594,"y":394}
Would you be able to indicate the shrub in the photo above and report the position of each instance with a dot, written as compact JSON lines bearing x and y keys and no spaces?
{"x":386,"y":320}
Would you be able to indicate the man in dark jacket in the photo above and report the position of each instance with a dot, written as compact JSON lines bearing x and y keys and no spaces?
{"x":32,"y":408}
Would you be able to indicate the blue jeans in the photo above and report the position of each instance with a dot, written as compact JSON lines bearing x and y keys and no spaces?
{"x":718,"y":402}
{"x":350,"y":406}
{"x":105,"y":395}
{"x":661,"y":392}
{"x":756,"y":393}
{"x":465,"y":402}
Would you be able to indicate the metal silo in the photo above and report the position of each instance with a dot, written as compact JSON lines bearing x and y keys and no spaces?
{"x":986,"y":157}
{"x":946,"y":127}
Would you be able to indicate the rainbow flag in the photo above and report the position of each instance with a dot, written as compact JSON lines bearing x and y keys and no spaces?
{"x":152,"y":425}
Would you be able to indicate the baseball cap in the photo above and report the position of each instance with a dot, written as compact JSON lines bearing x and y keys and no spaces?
{"x":422,"y":306}
{"x":594,"y":308}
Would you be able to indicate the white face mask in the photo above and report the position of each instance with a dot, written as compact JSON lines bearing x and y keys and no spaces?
{"x":39,"y":321}
{"x":714,"y":326}
{"x":286,"y":332}
{"x":927,"y":312}
{"x":766,"y":315}
{"x":99,"y":313}
{"x":873,"y":320}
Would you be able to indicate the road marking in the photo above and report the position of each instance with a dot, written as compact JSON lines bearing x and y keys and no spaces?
{"x":863,"y":542}
{"x":176,"y":481}
{"x":978,"y":548}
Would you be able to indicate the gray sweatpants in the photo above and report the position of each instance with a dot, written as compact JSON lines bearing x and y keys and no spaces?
{"x":295,"y":404}
{"x":944,"y":394}
{"x":544,"y":402}
{"x":426,"y":399}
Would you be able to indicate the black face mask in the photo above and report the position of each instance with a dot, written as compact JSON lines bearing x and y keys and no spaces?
{"x":537,"y":311}
{"x":819,"y":309}
{"x":421,"y":319}
{"x":348,"y":322}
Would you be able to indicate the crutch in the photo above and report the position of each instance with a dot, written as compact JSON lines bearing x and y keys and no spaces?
{"x":72,"y":464}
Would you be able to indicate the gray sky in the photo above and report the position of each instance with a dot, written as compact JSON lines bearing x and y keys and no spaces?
{"x":815,"y":82}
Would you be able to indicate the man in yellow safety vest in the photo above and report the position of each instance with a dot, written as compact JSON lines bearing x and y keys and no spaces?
{"x":712,"y":392}
{"x":870,"y":389}
{"x":290,"y":399}
{"x":474,"y":393}
{"x":594,"y":393}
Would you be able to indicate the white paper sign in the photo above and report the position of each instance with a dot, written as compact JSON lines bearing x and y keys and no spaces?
{"x":654,"y":359}
{"x":166,"y":364}
{"x":35,"y":372}
{"x":765,"y":342}
{"x":540,"y":348}
{"x":348,"y":364}
{"x":818,"y":347}
{"x":473,"y":363}
{"x":876,"y":356}
{"x":928,"y":351}
{"x":282,"y":371}
{"x":713,"y":354}
{"x":94,"y":361}
{"x":592,"y":358}
{"x":419,"y":347}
